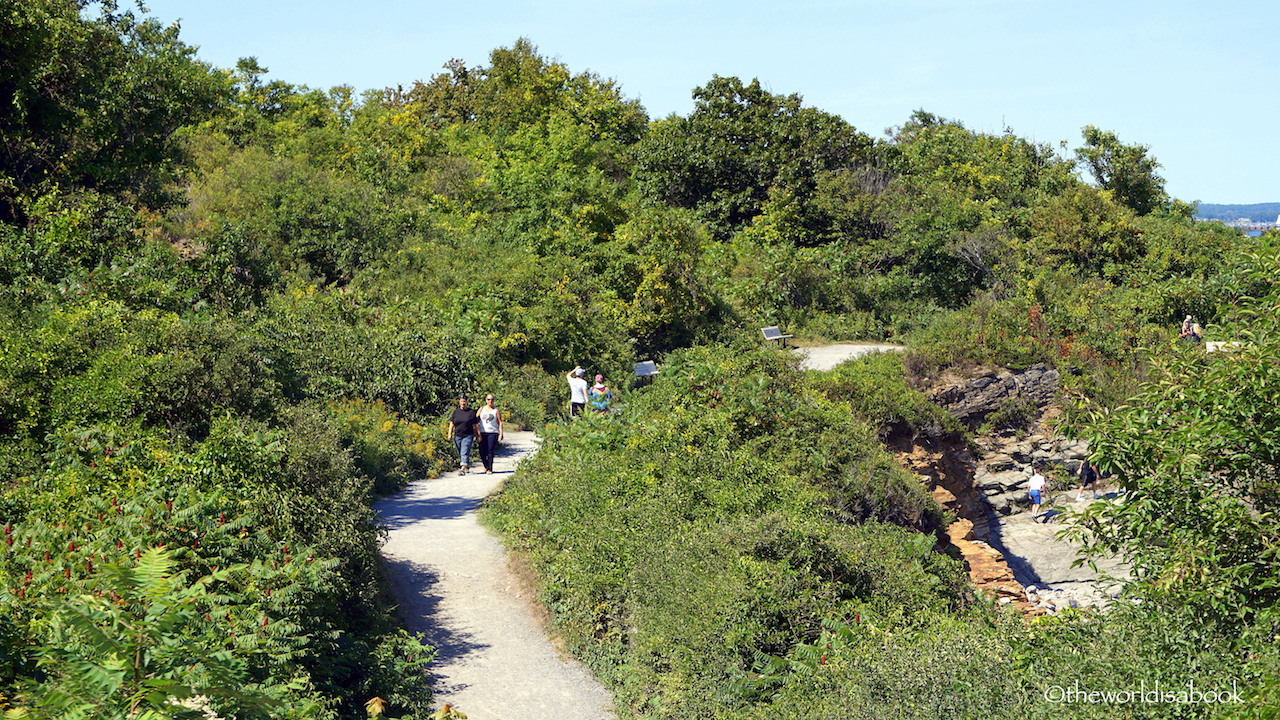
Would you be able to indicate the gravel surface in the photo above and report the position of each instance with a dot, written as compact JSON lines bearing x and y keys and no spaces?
{"x":829,"y":356}
{"x":454,"y":585}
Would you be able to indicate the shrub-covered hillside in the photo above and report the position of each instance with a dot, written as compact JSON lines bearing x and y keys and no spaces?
{"x":736,"y":543}
{"x":233,"y":309}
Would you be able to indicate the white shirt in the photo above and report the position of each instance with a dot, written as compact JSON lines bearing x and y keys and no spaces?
{"x":578,"y":390}
{"x":1036,"y":482}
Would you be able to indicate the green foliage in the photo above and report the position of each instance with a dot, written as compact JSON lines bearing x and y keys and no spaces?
{"x":93,"y":102}
{"x":96,"y":361}
{"x":741,"y":142}
{"x":1124,"y":170}
{"x":295,"y":608}
{"x":299,"y":217}
{"x":521,"y":88}
{"x":135,"y":648}
{"x":876,"y":388}
{"x":726,"y":511}
{"x":331,"y":346}
{"x":388,"y":449}
{"x":1194,"y":451}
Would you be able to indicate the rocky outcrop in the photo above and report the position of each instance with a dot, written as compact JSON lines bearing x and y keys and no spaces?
{"x":1006,"y":462}
{"x":1008,"y":553}
{"x":974,"y":399}
{"x":946,"y":466}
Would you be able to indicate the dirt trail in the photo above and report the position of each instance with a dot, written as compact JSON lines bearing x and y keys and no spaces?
{"x":454,"y":585}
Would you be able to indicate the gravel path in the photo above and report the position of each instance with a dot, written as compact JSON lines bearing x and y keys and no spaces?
{"x":829,"y":356}
{"x":454,"y":585}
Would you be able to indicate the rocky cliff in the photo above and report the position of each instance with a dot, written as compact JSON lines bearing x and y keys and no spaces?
{"x":984,"y":482}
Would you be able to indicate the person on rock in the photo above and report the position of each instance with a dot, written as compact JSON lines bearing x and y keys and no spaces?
{"x":1035,"y":488}
{"x":1088,"y":479}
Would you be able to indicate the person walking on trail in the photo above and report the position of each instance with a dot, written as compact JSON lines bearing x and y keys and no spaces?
{"x":463,"y":428}
{"x":1088,"y":479}
{"x":490,"y":432}
{"x":1035,"y":488}
{"x":598,"y":396}
{"x":577,"y":391}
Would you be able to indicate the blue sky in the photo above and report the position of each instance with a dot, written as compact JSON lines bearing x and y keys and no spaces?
{"x":1198,"y":82}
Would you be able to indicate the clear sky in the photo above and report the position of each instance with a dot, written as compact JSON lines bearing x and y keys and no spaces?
{"x":1198,"y":81}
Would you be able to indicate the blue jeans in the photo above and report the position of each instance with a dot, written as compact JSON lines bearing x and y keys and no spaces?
{"x":463,"y":444}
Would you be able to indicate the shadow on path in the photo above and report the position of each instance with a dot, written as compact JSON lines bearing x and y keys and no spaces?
{"x":444,"y":508}
{"x":451,"y":645}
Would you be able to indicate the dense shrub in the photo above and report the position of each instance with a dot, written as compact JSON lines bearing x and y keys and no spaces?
{"x":389,"y":450}
{"x":877,"y":389}
{"x":726,"y":511}
{"x":258,"y":578}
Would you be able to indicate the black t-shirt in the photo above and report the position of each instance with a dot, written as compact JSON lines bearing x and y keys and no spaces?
{"x":464,"y":422}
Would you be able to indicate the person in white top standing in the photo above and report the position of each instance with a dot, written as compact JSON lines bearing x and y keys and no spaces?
{"x":490,"y":432}
{"x":1035,"y":488}
{"x":577,"y":391}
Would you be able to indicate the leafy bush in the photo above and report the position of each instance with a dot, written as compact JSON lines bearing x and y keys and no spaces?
{"x":391,"y":451}
{"x":726,"y":511}
{"x":876,"y":387}
{"x":281,"y":534}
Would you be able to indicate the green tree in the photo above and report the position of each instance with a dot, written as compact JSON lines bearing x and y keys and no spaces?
{"x":520,"y":87}
{"x":93,"y":101}
{"x":740,"y":142}
{"x":1126,"y":170}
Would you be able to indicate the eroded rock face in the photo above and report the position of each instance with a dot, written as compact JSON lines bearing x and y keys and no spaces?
{"x":946,"y":466}
{"x":975,"y":399}
{"x":984,"y":484}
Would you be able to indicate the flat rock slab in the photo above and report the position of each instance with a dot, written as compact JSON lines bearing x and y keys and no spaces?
{"x":829,"y":356}
{"x":454,"y":585}
{"x":1037,"y":557}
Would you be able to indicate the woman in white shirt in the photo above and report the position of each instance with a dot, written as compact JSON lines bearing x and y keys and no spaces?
{"x":490,"y":432}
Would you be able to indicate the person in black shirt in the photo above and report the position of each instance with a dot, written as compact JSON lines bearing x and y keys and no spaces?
{"x":463,"y":429}
{"x":1088,"y":479}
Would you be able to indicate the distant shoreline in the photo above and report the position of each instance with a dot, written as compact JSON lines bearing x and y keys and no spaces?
{"x":1256,"y":212}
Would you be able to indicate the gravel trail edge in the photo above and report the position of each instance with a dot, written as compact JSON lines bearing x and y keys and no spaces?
{"x":454,"y":585}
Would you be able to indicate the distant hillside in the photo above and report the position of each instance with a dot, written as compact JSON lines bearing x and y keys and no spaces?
{"x":1259,"y":212}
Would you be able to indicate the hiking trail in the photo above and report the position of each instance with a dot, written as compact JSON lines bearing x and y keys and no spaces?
{"x":454,"y":585}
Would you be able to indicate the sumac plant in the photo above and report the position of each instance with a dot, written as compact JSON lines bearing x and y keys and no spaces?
{"x":168,"y":604}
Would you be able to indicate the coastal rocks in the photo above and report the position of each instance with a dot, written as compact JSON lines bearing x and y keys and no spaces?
{"x":973,"y":400}
{"x":1007,"y":462}
{"x":983,"y":483}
